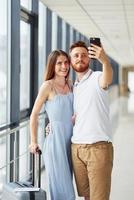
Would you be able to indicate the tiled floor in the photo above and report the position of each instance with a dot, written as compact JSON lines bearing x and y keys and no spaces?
{"x":122,"y":114}
{"x":123,"y":140}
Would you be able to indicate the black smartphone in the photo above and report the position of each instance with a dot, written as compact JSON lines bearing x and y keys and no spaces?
{"x":96,"y":41}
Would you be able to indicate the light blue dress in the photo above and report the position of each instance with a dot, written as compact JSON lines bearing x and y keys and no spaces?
{"x":57,"y":147}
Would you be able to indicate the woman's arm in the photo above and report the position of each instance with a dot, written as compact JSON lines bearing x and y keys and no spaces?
{"x":40,"y":100}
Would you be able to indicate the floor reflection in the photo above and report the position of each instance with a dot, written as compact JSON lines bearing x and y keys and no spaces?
{"x":123,"y":140}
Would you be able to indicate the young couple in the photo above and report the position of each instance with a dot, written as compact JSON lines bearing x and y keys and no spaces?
{"x":79,"y":124}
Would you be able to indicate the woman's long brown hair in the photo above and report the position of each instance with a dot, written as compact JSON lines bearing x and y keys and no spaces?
{"x":51,"y":62}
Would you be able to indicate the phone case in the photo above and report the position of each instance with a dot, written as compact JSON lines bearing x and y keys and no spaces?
{"x":95,"y":41}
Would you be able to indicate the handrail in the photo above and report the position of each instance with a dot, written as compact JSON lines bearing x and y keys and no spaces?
{"x":12,"y":161}
{"x":9,"y":131}
{"x":14,"y":130}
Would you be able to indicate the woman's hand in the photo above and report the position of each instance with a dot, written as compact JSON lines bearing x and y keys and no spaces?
{"x":34,"y":147}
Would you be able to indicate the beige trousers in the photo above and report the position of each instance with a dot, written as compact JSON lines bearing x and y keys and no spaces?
{"x":92,"y":165}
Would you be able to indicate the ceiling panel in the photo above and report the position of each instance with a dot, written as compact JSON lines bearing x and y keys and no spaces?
{"x":113,"y":21}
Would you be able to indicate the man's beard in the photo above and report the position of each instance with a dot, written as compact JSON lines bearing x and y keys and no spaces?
{"x":82,"y":68}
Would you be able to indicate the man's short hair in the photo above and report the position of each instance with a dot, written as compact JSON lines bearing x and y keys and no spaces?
{"x":78,"y":44}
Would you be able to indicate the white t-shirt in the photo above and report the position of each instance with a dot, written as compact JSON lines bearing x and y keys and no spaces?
{"x":91,"y":107}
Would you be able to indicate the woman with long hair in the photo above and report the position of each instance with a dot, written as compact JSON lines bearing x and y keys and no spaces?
{"x":57,"y":96}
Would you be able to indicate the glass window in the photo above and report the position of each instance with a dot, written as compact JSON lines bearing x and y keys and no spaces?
{"x":42,"y":41}
{"x":67,"y":37}
{"x":131,"y":81}
{"x":82,"y":38}
{"x":54,"y":31}
{"x":4,"y":158}
{"x":71,"y":35}
{"x":131,"y":90}
{"x":63,"y":35}
{"x":2,"y":151}
{"x":3,"y":62}
{"x":74,"y":35}
{"x":2,"y":178}
{"x":27,"y":4}
{"x":24,"y":155}
{"x":25,"y":65}
{"x":77,"y":36}
{"x":59,"y":32}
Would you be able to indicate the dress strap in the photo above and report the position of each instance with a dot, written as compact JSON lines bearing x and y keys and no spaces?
{"x":57,"y":92}
{"x":53,"y":88}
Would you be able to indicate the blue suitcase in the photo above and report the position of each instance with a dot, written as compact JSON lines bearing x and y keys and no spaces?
{"x":18,"y":190}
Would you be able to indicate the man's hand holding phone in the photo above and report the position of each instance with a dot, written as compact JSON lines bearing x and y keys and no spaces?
{"x":95,"y":41}
{"x":96,"y":51}
{"x":95,"y":48}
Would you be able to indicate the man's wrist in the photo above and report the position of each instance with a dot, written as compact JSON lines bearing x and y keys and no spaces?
{"x":33,"y":141}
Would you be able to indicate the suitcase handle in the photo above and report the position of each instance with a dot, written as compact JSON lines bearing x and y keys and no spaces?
{"x":39,"y":168}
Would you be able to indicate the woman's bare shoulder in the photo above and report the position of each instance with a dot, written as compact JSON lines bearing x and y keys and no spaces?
{"x":46,"y":86}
